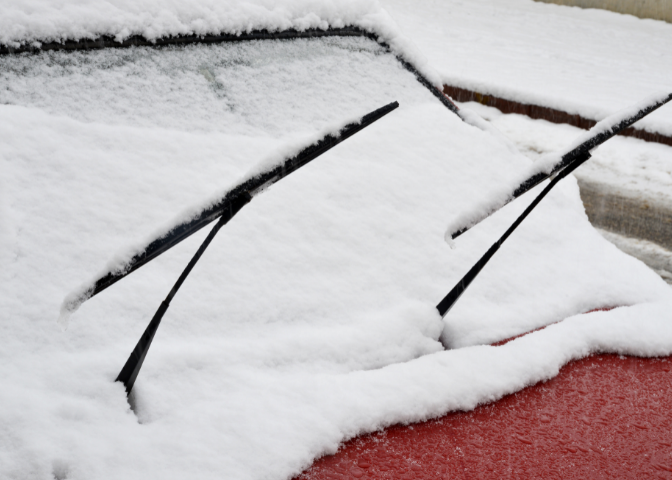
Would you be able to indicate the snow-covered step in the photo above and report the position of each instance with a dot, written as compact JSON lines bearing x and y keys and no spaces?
{"x":541,"y":112}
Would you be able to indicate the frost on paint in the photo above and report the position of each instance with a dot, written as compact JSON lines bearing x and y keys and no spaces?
{"x":311,"y":318}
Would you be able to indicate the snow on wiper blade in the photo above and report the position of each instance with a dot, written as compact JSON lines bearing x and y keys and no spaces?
{"x":568,"y":162}
{"x":552,"y":164}
{"x":226,"y":205}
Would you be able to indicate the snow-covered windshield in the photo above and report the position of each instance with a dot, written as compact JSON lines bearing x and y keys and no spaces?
{"x":302,"y":324}
{"x":104,"y":148}
{"x":266,"y":86}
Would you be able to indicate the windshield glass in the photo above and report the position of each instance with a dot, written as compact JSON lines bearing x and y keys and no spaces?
{"x":270,"y":87}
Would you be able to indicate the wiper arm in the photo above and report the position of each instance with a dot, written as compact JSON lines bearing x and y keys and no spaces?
{"x":231,"y":204}
{"x":449,"y":300}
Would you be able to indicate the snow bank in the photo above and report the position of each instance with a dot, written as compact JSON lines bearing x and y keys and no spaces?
{"x":541,"y":54}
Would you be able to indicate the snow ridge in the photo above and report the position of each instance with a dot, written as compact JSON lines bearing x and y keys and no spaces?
{"x":42,"y":20}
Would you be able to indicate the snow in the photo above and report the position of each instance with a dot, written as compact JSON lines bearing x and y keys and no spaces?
{"x":547,"y":164}
{"x":588,"y":62}
{"x":40,"y":21}
{"x":122,"y":261}
{"x":45,"y":20}
{"x":310,"y":318}
{"x":656,"y":257}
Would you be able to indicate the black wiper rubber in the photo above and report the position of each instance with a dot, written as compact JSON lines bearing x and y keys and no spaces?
{"x":576,"y":153}
{"x":227,"y":207}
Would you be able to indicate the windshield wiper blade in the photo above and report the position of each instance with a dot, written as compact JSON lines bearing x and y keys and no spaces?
{"x":453,"y":296}
{"x":600,"y":133}
{"x":568,"y":163}
{"x":229,"y":204}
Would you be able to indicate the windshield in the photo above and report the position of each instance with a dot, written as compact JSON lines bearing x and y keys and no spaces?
{"x":268,"y":87}
{"x":104,"y":148}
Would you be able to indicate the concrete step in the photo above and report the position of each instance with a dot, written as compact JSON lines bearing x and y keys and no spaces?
{"x":639,"y":225}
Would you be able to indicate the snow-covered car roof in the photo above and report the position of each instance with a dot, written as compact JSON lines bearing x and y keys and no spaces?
{"x":45,"y":21}
{"x":311,"y":317}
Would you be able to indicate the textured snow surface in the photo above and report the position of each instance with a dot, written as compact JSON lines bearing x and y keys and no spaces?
{"x":583,"y":61}
{"x":38,"y":21}
{"x":310,"y":318}
{"x":47,"y":20}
